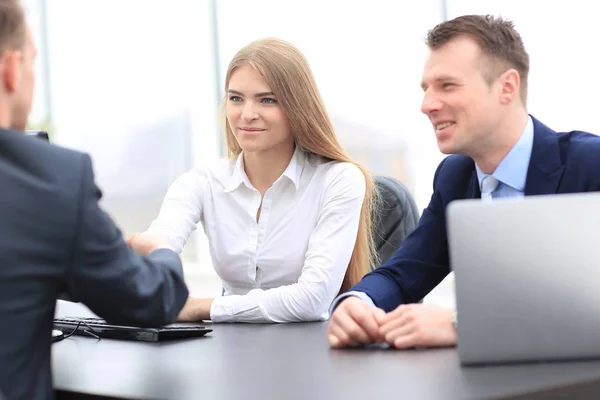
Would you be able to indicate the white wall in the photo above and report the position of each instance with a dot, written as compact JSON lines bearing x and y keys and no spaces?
{"x":39,"y":109}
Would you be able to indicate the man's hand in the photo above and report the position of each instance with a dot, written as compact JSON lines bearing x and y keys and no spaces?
{"x":354,"y":323}
{"x":418,"y":325}
{"x":145,"y":244}
{"x":195,"y":310}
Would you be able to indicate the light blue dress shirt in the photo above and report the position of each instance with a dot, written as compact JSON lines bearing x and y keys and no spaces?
{"x":511,"y":174}
{"x":512,"y":170}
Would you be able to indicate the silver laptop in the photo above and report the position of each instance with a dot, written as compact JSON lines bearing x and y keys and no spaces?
{"x":527,"y":275}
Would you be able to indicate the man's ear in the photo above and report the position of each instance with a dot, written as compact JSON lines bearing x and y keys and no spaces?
{"x":511,"y":85}
{"x":10,"y":67}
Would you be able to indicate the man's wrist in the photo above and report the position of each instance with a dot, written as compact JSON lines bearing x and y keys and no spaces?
{"x":206,"y":307}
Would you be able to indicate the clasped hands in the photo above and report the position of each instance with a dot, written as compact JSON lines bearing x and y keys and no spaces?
{"x":194,"y":309}
{"x":355,"y":323}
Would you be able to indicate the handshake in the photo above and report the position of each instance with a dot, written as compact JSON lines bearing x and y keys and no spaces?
{"x":145,"y":244}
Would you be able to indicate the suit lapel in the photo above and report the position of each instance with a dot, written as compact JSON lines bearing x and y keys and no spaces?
{"x":473,"y":191}
{"x":545,"y":167}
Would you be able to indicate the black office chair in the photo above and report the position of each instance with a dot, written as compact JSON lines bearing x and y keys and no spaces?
{"x":396,"y":216}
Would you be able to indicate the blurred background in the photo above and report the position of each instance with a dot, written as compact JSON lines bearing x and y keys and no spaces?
{"x":137,"y":83}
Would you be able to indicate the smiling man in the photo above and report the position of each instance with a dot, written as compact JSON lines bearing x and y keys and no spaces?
{"x":475,"y":92}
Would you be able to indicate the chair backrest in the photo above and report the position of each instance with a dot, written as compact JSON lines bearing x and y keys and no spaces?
{"x":396,"y":216}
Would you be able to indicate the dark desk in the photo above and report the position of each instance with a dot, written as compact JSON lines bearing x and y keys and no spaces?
{"x":293,"y":361}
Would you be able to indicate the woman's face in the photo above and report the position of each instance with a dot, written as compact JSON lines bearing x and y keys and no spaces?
{"x":254,"y":115}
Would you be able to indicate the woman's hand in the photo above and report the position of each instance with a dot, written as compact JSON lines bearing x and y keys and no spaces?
{"x":195,"y":310}
{"x":145,"y":244}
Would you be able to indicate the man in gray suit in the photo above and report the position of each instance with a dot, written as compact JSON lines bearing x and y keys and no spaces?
{"x":55,"y":238}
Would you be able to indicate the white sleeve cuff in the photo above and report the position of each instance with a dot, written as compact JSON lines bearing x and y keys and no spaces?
{"x":237,"y":308}
{"x":221,"y":309}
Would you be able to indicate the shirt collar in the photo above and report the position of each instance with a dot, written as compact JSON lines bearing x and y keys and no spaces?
{"x":295,"y":167}
{"x":238,"y":175}
{"x":292,"y":172}
{"x":512,"y":170}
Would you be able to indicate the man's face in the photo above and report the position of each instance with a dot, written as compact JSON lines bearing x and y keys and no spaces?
{"x":462,"y":106}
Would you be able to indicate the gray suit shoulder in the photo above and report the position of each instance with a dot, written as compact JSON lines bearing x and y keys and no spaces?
{"x":50,"y":163}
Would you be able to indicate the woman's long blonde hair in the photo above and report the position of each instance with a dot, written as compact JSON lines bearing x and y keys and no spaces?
{"x":290,"y":78}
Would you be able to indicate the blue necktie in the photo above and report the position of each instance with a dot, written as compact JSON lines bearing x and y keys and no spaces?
{"x":488,"y":185}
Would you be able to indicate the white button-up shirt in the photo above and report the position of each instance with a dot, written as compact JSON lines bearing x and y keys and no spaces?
{"x":290,"y":264}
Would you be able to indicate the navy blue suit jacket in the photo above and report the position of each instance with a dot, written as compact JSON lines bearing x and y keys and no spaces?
{"x":560,"y":163}
{"x":54,"y":238}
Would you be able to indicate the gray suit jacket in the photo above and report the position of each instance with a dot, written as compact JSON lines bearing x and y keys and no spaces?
{"x":55,"y":238}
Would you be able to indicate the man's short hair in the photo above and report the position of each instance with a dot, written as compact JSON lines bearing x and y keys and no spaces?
{"x":497,"y":39}
{"x":12,"y":25}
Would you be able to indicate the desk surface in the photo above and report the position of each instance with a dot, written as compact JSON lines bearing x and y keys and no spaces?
{"x":293,"y":361}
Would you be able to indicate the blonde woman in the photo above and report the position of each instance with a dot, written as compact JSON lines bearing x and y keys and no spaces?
{"x":287,"y":216}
